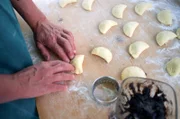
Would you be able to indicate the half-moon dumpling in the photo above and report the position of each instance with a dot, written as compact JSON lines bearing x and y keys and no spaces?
{"x":87,"y":4}
{"x":129,"y":28}
{"x":63,"y":3}
{"x":142,"y":7}
{"x":105,"y":25}
{"x":77,"y":62}
{"x":136,"y":48}
{"x":132,"y":71}
{"x":165,"y":17}
{"x":178,"y":33}
{"x":164,"y":36}
{"x":173,"y":67}
{"x":103,"y":53}
{"x":118,"y":10}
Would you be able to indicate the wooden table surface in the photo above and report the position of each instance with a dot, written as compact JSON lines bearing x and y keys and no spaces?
{"x":77,"y":103}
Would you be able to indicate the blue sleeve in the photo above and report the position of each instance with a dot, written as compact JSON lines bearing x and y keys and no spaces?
{"x":14,"y":56}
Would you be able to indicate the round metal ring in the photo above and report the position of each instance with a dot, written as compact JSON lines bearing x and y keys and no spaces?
{"x":102,"y":80}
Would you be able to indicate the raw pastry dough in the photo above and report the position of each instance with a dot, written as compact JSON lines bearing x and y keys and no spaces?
{"x":164,"y":36}
{"x":136,"y":48}
{"x":178,"y":33}
{"x":87,"y":4}
{"x":77,"y":62}
{"x":63,"y":3}
{"x":129,"y":28}
{"x":103,"y":53}
{"x":118,"y":10}
{"x":132,"y":71}
{"x":142,"y":7}
{"x":173,"y":67}
{"x":165,"y":17}
{"x":105,"y":25}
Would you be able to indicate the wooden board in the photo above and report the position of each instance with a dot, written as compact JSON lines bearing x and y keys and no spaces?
{"x":77,"y":103}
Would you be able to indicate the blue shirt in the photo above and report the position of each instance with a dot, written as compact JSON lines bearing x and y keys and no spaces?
{"x":14,"y":56}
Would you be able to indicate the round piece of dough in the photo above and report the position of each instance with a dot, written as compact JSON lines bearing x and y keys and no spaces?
{"x":63,"y":3}
{"x":173,"y":67}
{"x":164,"y":36}
{"x":118,"y":10}
{"x":87,"y":4}
{"x":132,"y":71}
{"x":165,"y":17}
{"x":105,"y":25}
{"x":103,"y":53}
{"x":129,"y":28}
{"x":136,"y":48}
{"x":77,"y":62}
{"x":142,"y":7}
{"x":178,"y":33}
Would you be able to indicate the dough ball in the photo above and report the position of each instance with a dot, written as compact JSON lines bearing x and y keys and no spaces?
{"x":132,"y":71}
{"x":165,"y":17}
{"x":103,"y":53}
{"x":142,"y":7}
{"x":105,"y":25}
{"x":77,"y":62}
{"x":164,"y":36}
{"x":178,"y":33}
{"x":118,"y":10}
{"x":87,"y":4}
{"x":63,"y":3}
{"x":129,"y":28}
{"x":136,"y":48}
{"x":173,"y":67}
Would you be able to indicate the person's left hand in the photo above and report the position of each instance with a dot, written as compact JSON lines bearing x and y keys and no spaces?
{"x":56,"y":39}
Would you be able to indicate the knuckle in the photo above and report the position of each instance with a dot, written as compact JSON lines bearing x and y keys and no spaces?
{"x":65,"y":42}
{"x":63,"y":65}
{"x":44,"y":63}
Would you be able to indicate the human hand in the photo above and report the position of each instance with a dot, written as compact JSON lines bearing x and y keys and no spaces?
{"x":56,"y":39}
{"x":43,"y":78}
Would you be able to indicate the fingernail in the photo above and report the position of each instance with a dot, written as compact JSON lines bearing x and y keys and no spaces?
{"x":71,"y":56}
{"x":46,"y":58}
{"x":74,"y":51}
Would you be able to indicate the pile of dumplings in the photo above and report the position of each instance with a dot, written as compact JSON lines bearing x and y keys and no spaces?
{"x":136,"y":48}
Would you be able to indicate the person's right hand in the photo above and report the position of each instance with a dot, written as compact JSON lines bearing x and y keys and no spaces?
{"x":43,"y":78}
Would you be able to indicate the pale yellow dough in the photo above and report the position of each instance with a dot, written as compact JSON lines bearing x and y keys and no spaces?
{"x":164,"y":36}
{"x":173,"y":67}
{"x":118,"y":10}
{"x":142,"y":7}
{"x":103,"y":53}
{"x":178,"y":33}
{"x":77,"y":62}
{"x":165,"y":17}
{"x":105,"y":25}
{"x":136,"y":48}
{"x":63,"y":3}
{"x":129,"y":28}
{"x":87,"y":4}
{"x":132,"y":71}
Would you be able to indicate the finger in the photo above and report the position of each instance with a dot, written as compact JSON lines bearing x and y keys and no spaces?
{"x":70,"y":39}
{"x":44,"y":51}
{"x":54,"y":62}
{"x":60,"y":52}
{"x":66,"y":45}
{"x":62,"y":67}
{"x":72,"y":42}
{"x":55,"y":87}
{"x":62,"y":77}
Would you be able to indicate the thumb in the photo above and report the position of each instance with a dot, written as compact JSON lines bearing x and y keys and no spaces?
{"x":44,"y":51}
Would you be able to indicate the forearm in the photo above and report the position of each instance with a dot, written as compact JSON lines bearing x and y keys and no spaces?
{"x":8,"y":88}
{"x":28,"y":10}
